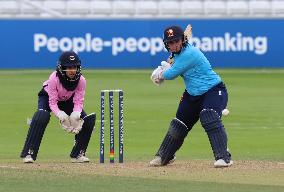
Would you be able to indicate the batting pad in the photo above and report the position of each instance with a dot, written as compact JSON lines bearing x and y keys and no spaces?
{"x":214,"y":128}
{"x":172,"y":141}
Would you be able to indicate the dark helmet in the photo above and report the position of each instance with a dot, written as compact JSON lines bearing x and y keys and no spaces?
{"x":68,"y":59}
{"x":173,"y":33}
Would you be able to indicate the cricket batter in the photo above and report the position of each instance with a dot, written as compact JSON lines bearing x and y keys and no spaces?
{"x":63,"y":94}
{"x":204,"y":99}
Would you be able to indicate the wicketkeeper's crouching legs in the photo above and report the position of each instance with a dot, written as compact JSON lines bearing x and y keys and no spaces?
{"x":83,"y":137}
{"x":171,"y":143}
{"x":215,"y":130}
{"x":37,"y":127}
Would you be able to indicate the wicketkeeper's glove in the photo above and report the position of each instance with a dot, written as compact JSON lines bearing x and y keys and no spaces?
{"x":76,"y":121}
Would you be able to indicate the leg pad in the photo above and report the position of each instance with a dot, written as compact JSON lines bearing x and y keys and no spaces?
{"x":216,"y":133}
{"x":37,"y":127}
{"x":172,"y":141}
{"x":83,"y":137}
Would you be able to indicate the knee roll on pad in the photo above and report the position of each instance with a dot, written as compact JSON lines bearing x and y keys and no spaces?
{"x":210,"y":120}
{"x":37,"y":127}
{"x":172,"y":141}
{"x":89,"y":121}
{"x":177,"y":129}
{"x":83,"y":137}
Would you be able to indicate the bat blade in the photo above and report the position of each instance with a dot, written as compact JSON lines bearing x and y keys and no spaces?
{"x":188,"y":32}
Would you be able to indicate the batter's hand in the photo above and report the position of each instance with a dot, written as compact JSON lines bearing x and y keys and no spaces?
{"x":165,"y":65}
{"x":157,"y":77}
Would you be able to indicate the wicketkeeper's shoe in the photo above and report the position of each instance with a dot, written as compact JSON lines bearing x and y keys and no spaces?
{"x":222,"y":163}
{"x":157,"y":161}
{"x":80,"y":159}
{"x":28,"y":159}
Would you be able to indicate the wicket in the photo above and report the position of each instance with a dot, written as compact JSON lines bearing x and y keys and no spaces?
{"x":111,"y":119}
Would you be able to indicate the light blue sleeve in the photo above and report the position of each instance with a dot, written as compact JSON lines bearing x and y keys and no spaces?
{"x":182,"y":63}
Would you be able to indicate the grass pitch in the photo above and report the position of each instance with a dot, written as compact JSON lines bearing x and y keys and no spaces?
{"x":255,"y":128}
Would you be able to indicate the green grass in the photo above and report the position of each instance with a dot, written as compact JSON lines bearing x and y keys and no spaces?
{"x":50,"y":181}
{"x":255,"y":127}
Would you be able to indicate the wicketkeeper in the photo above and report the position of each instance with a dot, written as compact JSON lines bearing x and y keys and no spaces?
{"x":63,"y":94}
{"x":204,"y":99}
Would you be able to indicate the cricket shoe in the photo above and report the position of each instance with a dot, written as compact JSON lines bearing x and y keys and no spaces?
{"x":157,"y":161}
{"x":80,"y":159}
{"x":221,"y":163}
{"x":28,"y":159}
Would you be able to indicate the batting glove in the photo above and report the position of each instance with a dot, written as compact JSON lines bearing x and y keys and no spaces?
{"x":165,"y":65}
{"x":156,"y":76}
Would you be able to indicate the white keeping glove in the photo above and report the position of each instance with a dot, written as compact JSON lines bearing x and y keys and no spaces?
{"x":156,"y":76}
{"x":77,"y":127}
{"x":62,"y":116}
{"x":76,"y":122}
{"x":64,"y":121}
{"x":75,"y":115}
{"x":66,"y":125}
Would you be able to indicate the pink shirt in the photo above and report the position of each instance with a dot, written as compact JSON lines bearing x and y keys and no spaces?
{"x":57,"y":92}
